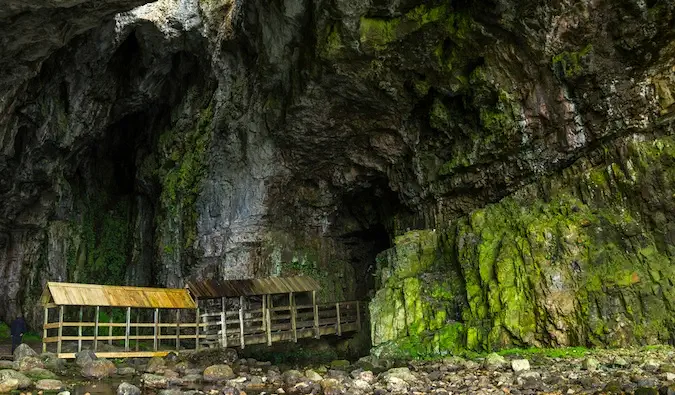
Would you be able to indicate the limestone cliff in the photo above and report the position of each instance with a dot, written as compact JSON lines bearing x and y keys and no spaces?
{"x":513,"y":155}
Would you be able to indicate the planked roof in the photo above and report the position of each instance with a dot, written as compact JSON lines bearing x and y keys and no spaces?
{"x":217,"y":288}
{"x":65,"y":294}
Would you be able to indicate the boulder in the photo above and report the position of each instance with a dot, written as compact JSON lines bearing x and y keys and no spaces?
{"x":84,"y":357}
{"x":52,"y":362}
{"x":590,"y":364}
{"x":128,"y":389}
{"x":23,"y":351}
{"x":292,"y":377}
{"x":156,"y":365}
{"x":24,"y":382}
{"x":49,"y":385}
{"x":217,"y":373}
{"x":361,"y":385}
{"x":29,"y":363}
{"x":341,"y":364}
{"x":40,"y":374}
{"x":126,"y":371}
{"x":401,"y":373}
{"x":651,"y":365}
{"x":98,"y":369}
{"x":520,"y":365}
{"x":8,"y":365}
{"x":8,"y":385}
{"x":494,"y":361}
{"x":312,"y":375}
{"x":154,"y":381}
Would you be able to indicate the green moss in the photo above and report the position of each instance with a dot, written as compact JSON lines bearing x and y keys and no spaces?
{"x":568,"y":64}
{"x":5,"y":333}
{"x":330,"y":43}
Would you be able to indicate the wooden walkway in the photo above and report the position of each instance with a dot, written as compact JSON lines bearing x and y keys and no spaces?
{"x":235,"y":328}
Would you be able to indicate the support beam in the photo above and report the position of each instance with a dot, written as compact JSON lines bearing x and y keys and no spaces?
{"x":294,"y":325}
{"x":241,"y":322}
{"x":79,"y":331}
{"x":177,"y":329}
{"x":98,"y":309}
{"x":128,"y":330}
{"x":44,"y":330}
{"x":358,"y":315}
{"x":155,"y":340}
{"x":339,"y":324}
{"x":58,"y":345}
{"x":268,"y":318}
{"x":316,"y":315}
{"x":197,"y":329}
{"x":223,"y":323}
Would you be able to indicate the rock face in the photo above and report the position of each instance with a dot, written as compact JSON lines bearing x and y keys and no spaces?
{"x":518,"y":155}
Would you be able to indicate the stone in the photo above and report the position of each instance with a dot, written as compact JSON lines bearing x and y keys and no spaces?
{"x":494,"y":361}
{"x":217,"y":373}
{"x":126,"y":371}
{"x":620,"y":362}
{"x":366,"y":376}
{"x":29,"y":363}
{"x":84,"y":357}
{"x":154,"y":381}
{"x":8,"y":385}
{"x":669,"y":376}
{"x":401,"y":373}
{"x":192,"y":378}
{"x":98,"y":369}
{"x":128,"y":389}
{"x":519,"y":365}
{"x":646,"y":391}
{"x":49,"y":385}
{"x":24,"y":381}
{"x":292,"y":377}
{"x":590,"y":364}
{"x":396,"y":385}
{"x":182,"y":367}
{"x":312,"y":375}
{"x":361,"y":385}
{"x":52,"y":362}
{"x":172,"y":391}
{"x":39,"y":374}
{"x":64,"y":393}
{"x":651,"y":365}
{"x":340,"y":364}
{"x":156,"y":365}
{"x":230,"y":391}
{"x":8,"y":365}
{"x":23,"y":351}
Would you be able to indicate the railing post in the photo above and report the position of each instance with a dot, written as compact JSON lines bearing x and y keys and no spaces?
{"x":44,"y":330}
{"x":138,"y":321}
{"x":223,"y":324}
{"x":58,"y":345}
{"x":339,"y":324}
{"x":128,"y":330}
{"x":98,"y":309}
{"x":110,"y":328}
{"x":264,"y":313}
{"x":79,"y":331}
{"x":294,"y":327}
{"x":358,"y":315}
{"x":241,"y":322}
{"x":155,"y":340}
{"x":268,"y":317}
{"x":177,"y":329}
{"x":197,"y":329}
{"x":316,"y":315}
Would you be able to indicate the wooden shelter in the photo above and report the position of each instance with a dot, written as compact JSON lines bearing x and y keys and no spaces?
{"x":267,"y":310}
{"x":106,"y":305}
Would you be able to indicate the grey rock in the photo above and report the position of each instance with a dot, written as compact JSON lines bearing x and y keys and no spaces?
{"x":217,"y":373}
{"x":495,"y":361}
{"x":154,"y":381}
{"x":49,"y":385}
{"x":520,"y":365}
{"x":98,"y":369}
{"x":84,"y":357}
{"x":23,"y":351}
{"x":24,"y":381}
{"x":128,"y":389}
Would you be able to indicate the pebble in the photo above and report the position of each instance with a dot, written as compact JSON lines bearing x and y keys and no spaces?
{"x":519,"y":365}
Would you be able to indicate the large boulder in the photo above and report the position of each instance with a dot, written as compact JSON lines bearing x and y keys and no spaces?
{"x":24,"y":351}
{"x":495,"y":361}
{"x":84,"y":357}
{"x":217,"y":373}
{"x":40,"y":374}
{"x":30,"y":363}
{"x":49,"y":385}
{"x":128,"y":389}
{"x":24,"y":382}
{"x":8,"y":385}
{"x":52,"y":362}
{"x":154,"y":381}
{"x":98,"y":369}
{"x":156,"y":365}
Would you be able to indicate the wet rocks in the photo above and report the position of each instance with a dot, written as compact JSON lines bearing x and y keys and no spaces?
{"x":8,"y":385}
{"x":217,"y":373}
{"x":49,"y":385}
{"x":84,"y":357}
{"x":128,"y":389}
{"x":154,"y":381}
{"x":39,"y":374}
{"x":24,"y":382}
{"x":98,"y":369}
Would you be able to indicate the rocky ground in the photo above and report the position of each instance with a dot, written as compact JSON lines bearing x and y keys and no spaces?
{"x":637,"y":371}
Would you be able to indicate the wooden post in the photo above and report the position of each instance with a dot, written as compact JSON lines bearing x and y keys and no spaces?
{"x":155,"y":339}
{"x":44,"y":330}
{"x":138,"y":321}
{"x":358,"y":315}
{"x":223,"y":324}
{"x":316,"y":315}
{"x":58,"y":345}
{"x":110,"y":328}
{"x":79,"y":331}
{"x":96,"y":329}
{"x":128,"y":331}
{"x":291,"y":303}
{"x":197,"y":330}
{"x":177,"y":329}
{"x":339,"y":324}
{"x":268,"y":317}
{"x":241,"y":322}
{"x":264,"y":313}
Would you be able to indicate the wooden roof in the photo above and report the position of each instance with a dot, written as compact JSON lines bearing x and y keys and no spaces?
{"x":217,"y":288}
{"x":116,"y":296}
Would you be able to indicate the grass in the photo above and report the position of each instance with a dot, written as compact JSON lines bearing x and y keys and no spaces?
{"x":566,"y":352}
{"x":4,"y":331}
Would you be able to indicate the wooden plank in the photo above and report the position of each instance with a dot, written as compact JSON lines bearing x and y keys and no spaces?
{"x":128,"y":330}
{"x":269,"y":319}
{"x":264,"y":310}
{"x":79,"y":331}
{"x":58,"y":346}
{"x":294,"y":312}
{"x":223,"y":322}
{"x":121,"y":354}
{"x":241,"y":322}
{"x":96,"y":329}
{"x":155,"y":343}
{"x":316,"y":316}
{"x":339,"y":325}
{"x":44,"y":329}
